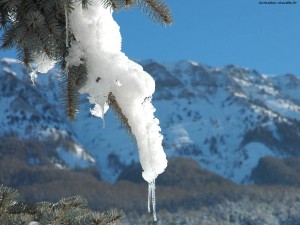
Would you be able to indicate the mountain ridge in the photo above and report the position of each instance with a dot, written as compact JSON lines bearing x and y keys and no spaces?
{"x":224,"y":118}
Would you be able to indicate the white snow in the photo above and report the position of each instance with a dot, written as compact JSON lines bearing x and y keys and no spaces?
{"x":77,"y":159}
{"x":81,"y":153}
{"x":254,"y":151}
{"x":263,"y":110}
{"x":100,"y":111}
{"x":268,"y":89}
{"x":193,"y":63}
{"x":59,"y":166}
{"x":53,"y":133}
{"x":180,"y":135}
{"x":9,"y":60}
{"x":8,"y":70}
{"x":34,"y":223}
{"x":240,"y":95}
{"x":242,"y":82}
{"x":99,"y":41}
{"x":42,"y":63}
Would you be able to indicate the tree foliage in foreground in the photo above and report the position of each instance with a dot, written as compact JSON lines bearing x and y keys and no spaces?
{"x":68,"y":211}
{"x":40,"y":28}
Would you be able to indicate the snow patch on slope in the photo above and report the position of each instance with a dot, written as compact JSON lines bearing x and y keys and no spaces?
{"x":77,"y":158}
{"x":252,"y":153}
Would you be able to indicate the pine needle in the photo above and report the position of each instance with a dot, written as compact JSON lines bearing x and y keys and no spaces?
{"x":70,"y":85}
{"x":67,"y":211}
{"x":116,"y":107}
{"x":157,"y":10}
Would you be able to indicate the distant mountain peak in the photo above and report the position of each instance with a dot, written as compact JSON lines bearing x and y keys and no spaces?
{"x":224,"y":118}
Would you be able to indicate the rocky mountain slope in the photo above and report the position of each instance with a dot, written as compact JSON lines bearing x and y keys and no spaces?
{"x":224,"y":118}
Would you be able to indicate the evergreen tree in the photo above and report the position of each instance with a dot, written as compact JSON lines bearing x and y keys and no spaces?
{"x":68,"y":211}
{"x":39,"y":28}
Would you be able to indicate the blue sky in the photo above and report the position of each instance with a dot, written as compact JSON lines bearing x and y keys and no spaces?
{"x":219,"y":32}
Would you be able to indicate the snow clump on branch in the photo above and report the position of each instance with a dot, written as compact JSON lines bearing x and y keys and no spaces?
{"x":111,"y":75}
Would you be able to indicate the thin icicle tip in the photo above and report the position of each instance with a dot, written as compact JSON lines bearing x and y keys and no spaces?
{"x":151,"y":199}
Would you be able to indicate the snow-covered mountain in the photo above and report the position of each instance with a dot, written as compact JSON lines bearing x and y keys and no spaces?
{"x":32,"y":111}
{"x":224,"y":118}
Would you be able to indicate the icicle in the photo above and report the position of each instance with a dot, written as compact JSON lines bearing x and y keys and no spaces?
{"x":99,"y":110}
{"x":33,"y":77}
{"x":103,"y":121}
{"x":151,"y":198}
{"x":67,"y":27}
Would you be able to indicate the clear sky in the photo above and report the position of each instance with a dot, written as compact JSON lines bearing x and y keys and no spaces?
{"x":217,"y":33}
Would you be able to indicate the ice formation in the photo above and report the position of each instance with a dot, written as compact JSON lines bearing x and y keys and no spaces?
{"x":151,"y":198}
{"x":98,"y":41}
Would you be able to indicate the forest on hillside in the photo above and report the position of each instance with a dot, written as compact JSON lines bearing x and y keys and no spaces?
{"x":186,"y":193}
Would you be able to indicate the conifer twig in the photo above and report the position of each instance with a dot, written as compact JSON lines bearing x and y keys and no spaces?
{"x":67,"y":211}
{"x":116,"y":107}
{"x":157,"y":10}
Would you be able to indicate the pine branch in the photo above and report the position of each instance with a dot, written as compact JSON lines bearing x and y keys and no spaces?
{"x":129,"y":3}
{"x":113,"y":216}
{"x":107,"y":218}
{"x":70,"y":85}
{"x":85,"y":4}
{"x":72,"y":98}
{"x":116,"y":107}
{"x":21,"y":208}
{"x":120,"y":4}
{"x":24,"y":56}
{"x":75,"y":201}
{"x":7,"y":197}
{"x":3,"y":16}
{"x":68,"y":211}
{"x":157,"y":10}
{"x":69,"y":4}
{"x":109,"y":3}
{"x":36,"y":27}
{"x":8,"y":38}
